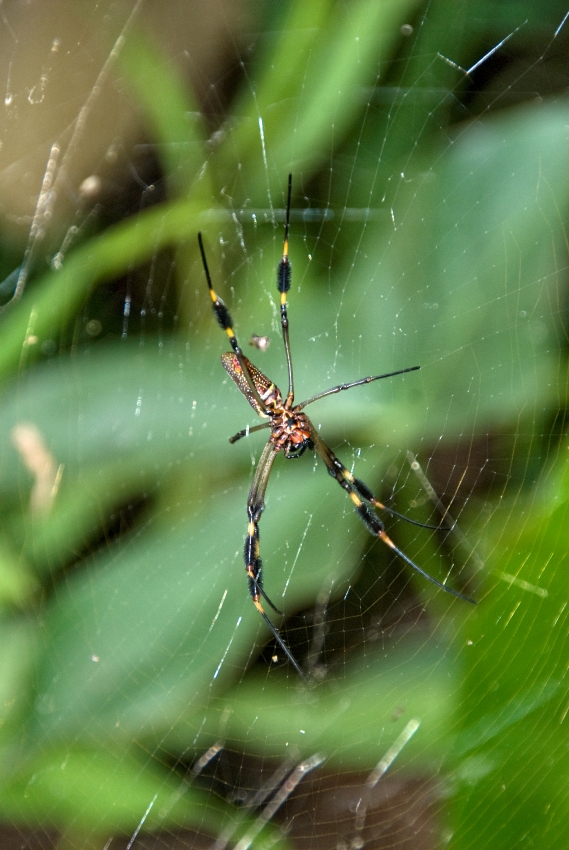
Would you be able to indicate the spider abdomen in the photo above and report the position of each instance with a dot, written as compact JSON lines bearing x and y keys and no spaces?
{"x":268,"y":393}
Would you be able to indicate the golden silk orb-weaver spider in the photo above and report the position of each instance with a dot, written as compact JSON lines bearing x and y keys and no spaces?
{"x":292,"y":432}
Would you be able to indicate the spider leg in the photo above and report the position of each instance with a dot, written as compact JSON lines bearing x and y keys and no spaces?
{"x":284,"y":271}
{"x":349,"y":386}
{"x":253,"y":563}
{"x":224,"y":318}
{"x":366,"y":494}
{"x":364,"y":491}
{"x":246,"y":431}
{"x":358,"y":485}
{"x":356,"y":488}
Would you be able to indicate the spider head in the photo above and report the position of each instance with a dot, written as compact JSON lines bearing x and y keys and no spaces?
{"x":298,"y":440}
{"x":298,"y":450}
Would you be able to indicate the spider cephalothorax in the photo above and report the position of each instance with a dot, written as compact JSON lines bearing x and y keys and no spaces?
{"x":292,"y":433}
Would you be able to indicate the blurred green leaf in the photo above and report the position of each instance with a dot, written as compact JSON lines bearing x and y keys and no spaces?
{"x":353,"y":720}
{"x":513,"y":738}
{"x":446,"y":254}
{"x":112,"y":792}
{"x":176,"y":124}
{"x":475,"y":284}
{"x":313,"y":84}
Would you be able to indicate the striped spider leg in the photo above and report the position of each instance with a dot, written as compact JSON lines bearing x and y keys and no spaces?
{"x":292,"y":432}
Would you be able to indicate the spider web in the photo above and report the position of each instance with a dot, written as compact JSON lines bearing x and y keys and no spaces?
{"x":143,"y":702}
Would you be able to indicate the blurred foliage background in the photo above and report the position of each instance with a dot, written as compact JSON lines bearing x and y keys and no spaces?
{"x":141,"y":702}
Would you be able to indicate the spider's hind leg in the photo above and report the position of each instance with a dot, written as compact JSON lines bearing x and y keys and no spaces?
{"x":358,"y":492}
{"x":336,"y":467}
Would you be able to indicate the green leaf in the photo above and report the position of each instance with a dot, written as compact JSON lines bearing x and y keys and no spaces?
{"x":403,"y":696}
{"x":513,"y":741}
{"x":471,"y":272}
{"x":312,"y":86}
{"x":112,"y":792}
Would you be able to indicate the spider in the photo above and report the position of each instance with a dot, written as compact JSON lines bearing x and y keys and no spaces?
{"x":293,"y":433}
